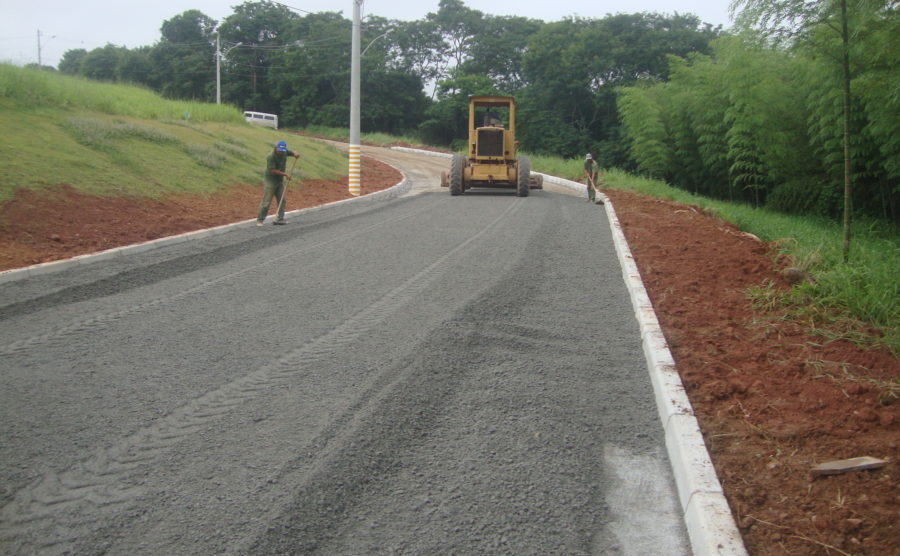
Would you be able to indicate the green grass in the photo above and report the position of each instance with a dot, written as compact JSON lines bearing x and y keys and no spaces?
{"x":108,"y":139}
{"x":31,"y":88}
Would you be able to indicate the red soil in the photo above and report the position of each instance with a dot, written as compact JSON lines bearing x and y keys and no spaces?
{"x":773,"y":401}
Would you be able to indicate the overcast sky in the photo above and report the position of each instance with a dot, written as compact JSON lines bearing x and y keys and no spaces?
{"x":88,"y":24}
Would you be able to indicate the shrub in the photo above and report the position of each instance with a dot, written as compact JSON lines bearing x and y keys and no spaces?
{"x":808,"y":195}
{"x":102,"y":134}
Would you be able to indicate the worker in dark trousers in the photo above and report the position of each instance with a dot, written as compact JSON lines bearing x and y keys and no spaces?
{"x":590,"y":176}
{"x":274,"y":176}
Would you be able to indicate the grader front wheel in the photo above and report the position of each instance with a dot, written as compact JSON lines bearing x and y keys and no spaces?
{"x":457,"y":164}
{"x":524,"y":176}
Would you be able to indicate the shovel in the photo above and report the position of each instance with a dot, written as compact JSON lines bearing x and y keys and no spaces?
{"x":284,"y":192}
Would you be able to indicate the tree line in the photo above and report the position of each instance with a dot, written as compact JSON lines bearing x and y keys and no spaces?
{"x":724,"y":114}
{"x":797,"y":110}
{"x":416,"y":75}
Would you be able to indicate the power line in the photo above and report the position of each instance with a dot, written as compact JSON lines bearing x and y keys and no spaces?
{"x":293,"y":8}
{"x":170,"y":43}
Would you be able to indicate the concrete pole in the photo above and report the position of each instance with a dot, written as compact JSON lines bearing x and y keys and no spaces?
{"x":218,"y":71}
{"x":355,"y":147}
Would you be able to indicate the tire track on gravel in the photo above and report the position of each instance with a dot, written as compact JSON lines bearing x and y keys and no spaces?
{"x":80,"y":326}
{"x":56,"y":510}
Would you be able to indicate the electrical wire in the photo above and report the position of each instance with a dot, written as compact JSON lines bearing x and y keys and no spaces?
{"x":293,"y":8}
{"x":170,"y":43}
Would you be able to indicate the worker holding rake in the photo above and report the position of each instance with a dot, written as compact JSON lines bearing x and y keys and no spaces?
{"x":590,"y":174}
{"x":274,"y":182}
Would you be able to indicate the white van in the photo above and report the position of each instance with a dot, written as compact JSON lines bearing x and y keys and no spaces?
{"x":261,"y":118}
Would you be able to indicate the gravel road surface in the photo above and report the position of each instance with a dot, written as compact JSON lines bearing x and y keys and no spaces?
{"x":429,"y":375}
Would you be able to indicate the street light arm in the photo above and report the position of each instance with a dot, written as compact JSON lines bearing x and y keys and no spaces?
{"x":219,"y":56}
{"x":229,"y":49}
{"x":373,"y":41}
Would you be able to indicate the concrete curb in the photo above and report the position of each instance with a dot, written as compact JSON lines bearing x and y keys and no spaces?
{"x":420,"y":151}
{"x":55,"y":266}
{"x":707,"y":516}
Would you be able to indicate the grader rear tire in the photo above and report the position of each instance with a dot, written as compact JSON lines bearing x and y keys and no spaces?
{"x":524,"y":176}
{"x":457,"y":164}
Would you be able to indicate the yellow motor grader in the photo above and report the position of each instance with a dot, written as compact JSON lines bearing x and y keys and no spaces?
{"x":492,"y":160}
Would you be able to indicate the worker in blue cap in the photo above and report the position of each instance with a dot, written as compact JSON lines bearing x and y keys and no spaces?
{"x":274,"y":182}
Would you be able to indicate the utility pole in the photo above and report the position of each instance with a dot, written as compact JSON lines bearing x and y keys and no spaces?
{"x":40,"y":61}
{"x":218,"y":71}
{"x":219,"y":56}
{"x":355,"y":147}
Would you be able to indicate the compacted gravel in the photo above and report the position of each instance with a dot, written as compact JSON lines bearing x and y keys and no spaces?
{"x":432,"y":374}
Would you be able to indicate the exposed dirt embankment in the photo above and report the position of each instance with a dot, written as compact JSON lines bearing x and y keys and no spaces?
{"x":59,"y":223}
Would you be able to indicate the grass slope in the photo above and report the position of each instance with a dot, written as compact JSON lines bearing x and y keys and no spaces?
{"x":109,"y":139}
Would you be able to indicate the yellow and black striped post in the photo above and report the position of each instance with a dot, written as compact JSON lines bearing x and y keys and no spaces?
{"x":355,"y":170}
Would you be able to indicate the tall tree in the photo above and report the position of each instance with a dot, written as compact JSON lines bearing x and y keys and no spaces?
{"x":458,"y":26}
{"x":393,"y":99}
{"x":101,"y":63}
{"x":792,"y":19}
{"x":573,"y":67}
{"x":736,"y":124}
{"x":497,"y":51}
{"x":135,"y":66}
{"x":415,"y":47}
{"x":261,"y":28}
{"x":310,"y":77}
{"x":71,"y":61}
{"x":184,"y":58}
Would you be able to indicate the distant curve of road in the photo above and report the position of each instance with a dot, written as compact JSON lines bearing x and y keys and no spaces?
{"x":428,"y":375}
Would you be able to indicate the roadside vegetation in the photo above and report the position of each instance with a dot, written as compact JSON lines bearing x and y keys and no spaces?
{"x":29,"y":89}
{"x":108,"y":139}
